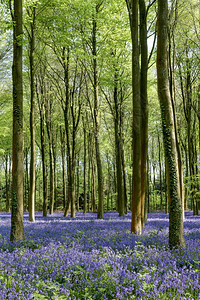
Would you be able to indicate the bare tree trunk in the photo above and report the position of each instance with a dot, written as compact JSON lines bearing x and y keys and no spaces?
{"x":84,"y":172}
{"x":160,"y":173}
{"x":88,"y":175}
{"x":118,"y":150}
{"x":93,"y":177}
{"x":77,"y":186}
{"x":7,"y":184}
{"x":96,"y":120}
{"x":176,"y":237}
{"x":51,"y":164}
{"x":136,"y":224}
{"x":144,"y":105}
{"x":54,"y":147}
{"x":17,"y":228}
{"x":42,"y":141}
{"x":62,"y":138}
{"x":31,"y":205}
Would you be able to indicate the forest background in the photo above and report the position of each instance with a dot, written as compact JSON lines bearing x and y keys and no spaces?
{"x":78,"y":120}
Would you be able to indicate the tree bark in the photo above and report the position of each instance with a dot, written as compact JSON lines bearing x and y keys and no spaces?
{"x":118,"y":149}
{"x":136,"y":224}
{"x":17,"y":228}
{"x":48,"y":110}
{"x":7,"y":184}
{"x":62,"y":139}
{"x":144,"y":105}
{"x":84,"y":172}
{"x":31,"y":201}
{"x":93,"y":200}
{"x":96,"y":120}
{"x":42,"y":141}
{"x":160,"y":173}
{"x":176,"y":237}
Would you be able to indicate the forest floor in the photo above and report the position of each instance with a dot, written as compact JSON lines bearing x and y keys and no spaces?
{"x":86,"y":258}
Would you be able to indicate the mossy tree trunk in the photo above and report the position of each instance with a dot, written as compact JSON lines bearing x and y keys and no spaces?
{"x":176,"y":237}
{"x":17,"y":228}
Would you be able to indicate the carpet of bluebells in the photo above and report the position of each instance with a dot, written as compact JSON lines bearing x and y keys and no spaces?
{"x":86,"y":258}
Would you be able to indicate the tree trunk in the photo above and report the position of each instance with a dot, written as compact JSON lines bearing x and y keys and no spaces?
{"x":31,"y":205}
{"x":136,"y":224}
{"x":26,"y":180}
{"x":62,"y":139}
{"x":44,"y":167}
{"x":54,"y":147}
{"x":176,"y":237}
{"x":52,"y":187}
{"x":96,"y":120}
{"x":124,"y":179}
{"x":84,"y":173}
{"x":7,"y":185}
{"x":17,"y":228}
{"x":118,"y":150}
{"x":77,"y":180}
{"x":144,"y":105}
{"x":160,"y":173}
{"x":93,"y":177}
{"x":88,"y":175}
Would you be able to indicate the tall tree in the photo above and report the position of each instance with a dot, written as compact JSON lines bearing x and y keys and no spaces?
{"x":176,"y":237}
{"x":96,"y":111}
{"x":136,"y":225}
{"x":31,"y":11}
{"x":41,"y":101}
{"x":17,"y":228}
{"x":144,"y":104}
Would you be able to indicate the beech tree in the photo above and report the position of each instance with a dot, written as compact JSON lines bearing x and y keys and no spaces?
{"x":169,"y":135}
{"x":31,"y":11}
{"x":17,"y":229}
{"x":136,"y":225}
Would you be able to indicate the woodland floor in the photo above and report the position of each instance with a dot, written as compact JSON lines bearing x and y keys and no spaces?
{"x":86,"y":258}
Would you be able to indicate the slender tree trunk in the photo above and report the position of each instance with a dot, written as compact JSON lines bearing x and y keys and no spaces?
{"x":73,"y":208}
{"x":77,"y":187}
{"x":26,"y":180}
{"x":62,"y":138}
{"x":118,"y":150}
{"x":69,"y":113}
{"x":148,"y":188}
{"x":160,"y":173}
{"x":31,"y":206}
{"x":89,"y":167}
{"x":44,"y":167}
{"x":7,"y":185}
{"x":54,"y":147}
{"x":96,"y":120}
{"x":144,"y":105}
{"x":52,"y":187}
{"x":186,"y":175}
{"x":17,"y":228}
{"x":84,"y":173}
{"x":176,"y":237}
{"x":124,"y":180}
{"x":93,"y":177}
